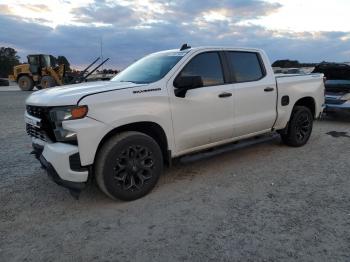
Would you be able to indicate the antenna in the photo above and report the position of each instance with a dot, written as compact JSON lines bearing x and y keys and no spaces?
{"x":101,"y":48}
{"x":184,"y":47}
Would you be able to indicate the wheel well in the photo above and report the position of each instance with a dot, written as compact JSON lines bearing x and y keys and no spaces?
{"x":308,"y":102}
{"x":149,"y":128}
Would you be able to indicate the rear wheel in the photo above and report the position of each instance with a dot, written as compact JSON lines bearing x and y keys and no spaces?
{"x":47,"y":81}
{"x":299,"y":127}
{"x":128,"y":166}
{"x":25,"y":83}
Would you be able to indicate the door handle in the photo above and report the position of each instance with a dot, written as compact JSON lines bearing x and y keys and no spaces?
{"x":269,"y":89}
{"x":225,"y":94}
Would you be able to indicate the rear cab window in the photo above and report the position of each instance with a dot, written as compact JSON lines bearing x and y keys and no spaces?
{"x":245,"y":66}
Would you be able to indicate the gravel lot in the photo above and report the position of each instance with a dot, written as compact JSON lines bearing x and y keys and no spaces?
{"x":265,"y":202}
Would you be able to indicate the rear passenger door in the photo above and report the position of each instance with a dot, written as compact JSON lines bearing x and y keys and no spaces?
{"x":255,"y":93}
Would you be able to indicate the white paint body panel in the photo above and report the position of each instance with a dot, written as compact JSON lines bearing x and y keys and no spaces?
{"x":297,"y":87}
{"x":70,"y":94}
{"x":255,"y":109}
{"x":58,"y":155}
{"x":198,"y":121}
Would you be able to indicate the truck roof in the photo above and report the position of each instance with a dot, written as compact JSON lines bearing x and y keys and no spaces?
{"x":199,"y":48}
{"x":226,"y":48}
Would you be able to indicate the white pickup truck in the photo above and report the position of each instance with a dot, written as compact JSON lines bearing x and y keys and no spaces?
{"x":165,"y":105}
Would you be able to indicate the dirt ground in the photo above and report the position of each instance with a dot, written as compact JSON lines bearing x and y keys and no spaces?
{"x":243,"y":202}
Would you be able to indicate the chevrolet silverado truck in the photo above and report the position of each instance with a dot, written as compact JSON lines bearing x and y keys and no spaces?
{"x":123,"y":132}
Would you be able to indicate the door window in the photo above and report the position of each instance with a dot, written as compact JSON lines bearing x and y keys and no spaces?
{"x":245,"y":66}
{"x":207,"y":66}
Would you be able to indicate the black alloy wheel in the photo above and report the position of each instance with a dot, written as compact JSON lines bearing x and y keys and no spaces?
{"x":303,"y":126}
{"x":134,"y":167}
{"x":299,"y":128}
{"x":128,"y":165}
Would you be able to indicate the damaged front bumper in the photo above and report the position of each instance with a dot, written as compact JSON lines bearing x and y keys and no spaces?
{"x":62,"y":163}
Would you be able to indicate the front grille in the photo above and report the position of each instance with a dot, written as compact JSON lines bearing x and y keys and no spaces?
{"x":36,"y":132}
{"x":37,"y":111}
{"x":46,"y":127}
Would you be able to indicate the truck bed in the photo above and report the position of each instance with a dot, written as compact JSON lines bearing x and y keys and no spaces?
{"x":289,"y":87}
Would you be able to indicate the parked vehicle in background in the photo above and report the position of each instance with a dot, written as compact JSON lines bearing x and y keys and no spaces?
{"x":337,"y":85}
{"x":43,"y":71}
{"x":334,"y":71}
{"x":4,"y":82}
{"x":295,"y":71}
{"x":167,"y":104}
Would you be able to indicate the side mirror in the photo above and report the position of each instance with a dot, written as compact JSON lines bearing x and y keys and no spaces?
{"x":184,"y":83}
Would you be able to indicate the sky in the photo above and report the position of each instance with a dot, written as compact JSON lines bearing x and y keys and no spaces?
{"x":304,"y":30}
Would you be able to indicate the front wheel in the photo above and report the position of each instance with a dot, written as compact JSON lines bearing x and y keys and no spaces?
{"x":128,"y":166}
{"x":299,"y":127}
{"x":47,"y":82}
{"x":25,"y":83}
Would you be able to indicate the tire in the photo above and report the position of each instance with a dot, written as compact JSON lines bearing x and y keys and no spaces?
{"x":128,"y":166}
{"x":299,"y":128}
{"x":47,"y":82}
{"x":25,"y":83}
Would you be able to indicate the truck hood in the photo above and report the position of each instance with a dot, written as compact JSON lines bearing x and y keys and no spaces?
{"x":70,"y":94}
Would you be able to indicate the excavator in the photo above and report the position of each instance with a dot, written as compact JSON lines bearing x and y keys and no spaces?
{"x":43,"y":71}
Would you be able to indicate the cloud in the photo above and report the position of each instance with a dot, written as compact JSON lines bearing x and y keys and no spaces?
{"x":5,"y":9}
{"x":236,"y":10}
{"x":130,"y":31}
{"x":36,"y":8}
{"x":103,"y":13}
{"x":135,"y":13}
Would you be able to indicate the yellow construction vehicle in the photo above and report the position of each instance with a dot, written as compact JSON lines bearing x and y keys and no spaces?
{"x":41,"y":71}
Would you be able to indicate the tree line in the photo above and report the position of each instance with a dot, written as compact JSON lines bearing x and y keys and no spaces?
{"x":8,"y":59}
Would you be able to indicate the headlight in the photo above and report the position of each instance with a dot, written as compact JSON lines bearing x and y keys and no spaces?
{"x":346,"y":97}
{"x":60,"y":114}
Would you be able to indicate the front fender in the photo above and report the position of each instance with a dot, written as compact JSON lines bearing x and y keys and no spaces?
{"x":118,"y":108}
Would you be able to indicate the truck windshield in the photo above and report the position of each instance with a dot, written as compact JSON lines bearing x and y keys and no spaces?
{"x":150,"y":68}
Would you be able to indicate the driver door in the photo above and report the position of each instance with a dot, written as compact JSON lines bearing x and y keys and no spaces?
{"x":205,"y":114}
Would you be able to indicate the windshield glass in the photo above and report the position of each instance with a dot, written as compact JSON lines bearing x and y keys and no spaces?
{"x":150,"y":68}
{"x":47,"y":60}
{"x":33,"y":60}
